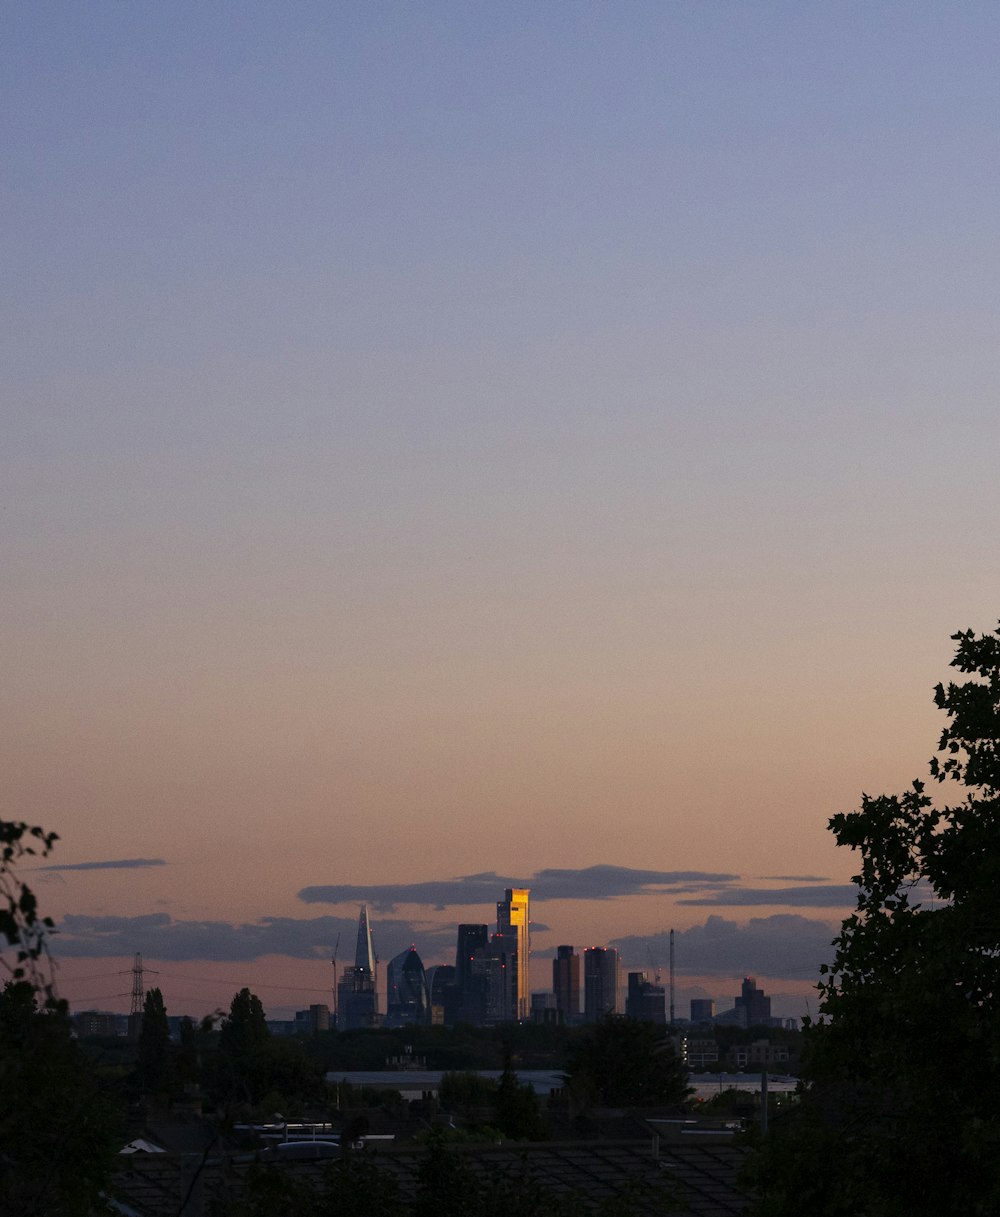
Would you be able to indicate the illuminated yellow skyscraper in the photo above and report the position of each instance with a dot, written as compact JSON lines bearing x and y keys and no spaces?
{"x":513,"y":928}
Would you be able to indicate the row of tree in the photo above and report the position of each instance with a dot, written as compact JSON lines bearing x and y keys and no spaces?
{"x":614,"y":1063}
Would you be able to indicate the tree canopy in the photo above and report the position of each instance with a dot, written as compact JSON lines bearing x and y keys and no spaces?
{"x":56,"y":1127}
{"x":623,"y":1062}
{"x":904,"y":1061}
{"x":154,"y":1043}
{"x":23,"y":931}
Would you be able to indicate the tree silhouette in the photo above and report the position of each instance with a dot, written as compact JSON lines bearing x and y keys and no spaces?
{"x":23,"y":931}
{"x":624,"y":1062}
{"x":904,"y":1062}
{"x":56,"y":1138}
{"x":517,"y":1111}
{"x":154,"y":1044}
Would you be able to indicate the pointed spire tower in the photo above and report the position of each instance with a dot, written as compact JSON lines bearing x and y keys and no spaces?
{"x":364,"y":956}
{"x":357,"y":992}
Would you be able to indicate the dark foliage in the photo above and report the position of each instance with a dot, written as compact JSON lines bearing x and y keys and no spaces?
{"x":518,"y":1114}
{"x":904,"y":1062}
{"x":252,"y":1067}
{"x":622,"y":1062}
{"x":56,"y":1129}
{"x":154,"y":1045}
{"x":23,"y":931}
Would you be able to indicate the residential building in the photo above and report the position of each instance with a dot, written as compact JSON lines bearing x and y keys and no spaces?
{"x":96,"y":1022}
{"x":700,"y":1053}
{"x":764,"y":1052}
{"x":316,"y":1018}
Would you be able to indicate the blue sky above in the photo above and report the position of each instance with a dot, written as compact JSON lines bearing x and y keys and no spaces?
{"x":461,"y":438}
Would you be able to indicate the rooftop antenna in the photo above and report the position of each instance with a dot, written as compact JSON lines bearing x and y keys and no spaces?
{"x":672,"y":990}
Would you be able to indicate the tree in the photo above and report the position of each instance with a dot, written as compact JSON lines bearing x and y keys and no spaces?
{"x":517,"y":1110}
{"x":904,"y":1062}
{"x":246,"y":1029}
{"x":154,"y":1044}
{"x":353,"y":1186}
{"x":254,"y":1067}
{"x":22,"y":929}
{"x":56,"y":1138}
{"x":188,"y":1057}
{"x":624,"y":1062}
{"x":445,"y":1185}
{"x":242,"y":1041}
{"x":56,"y":1129}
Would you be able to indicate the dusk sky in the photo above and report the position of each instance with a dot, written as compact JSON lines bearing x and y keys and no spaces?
{"x":456,"y":445}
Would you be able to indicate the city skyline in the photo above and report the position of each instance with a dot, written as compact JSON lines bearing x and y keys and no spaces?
{"x":376,"y":992}
{"x":451,"y":448}
{"x":707,"y":961}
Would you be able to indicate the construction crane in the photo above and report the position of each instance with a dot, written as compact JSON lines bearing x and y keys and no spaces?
{"x":333,"y":960}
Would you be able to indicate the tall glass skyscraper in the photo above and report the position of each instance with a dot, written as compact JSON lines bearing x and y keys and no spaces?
{"x":566,"y":984}
{"x":601,"y":983}
{"x":513,"y":929}
{"x":408,"y":1001}
{"x":357,"y":995}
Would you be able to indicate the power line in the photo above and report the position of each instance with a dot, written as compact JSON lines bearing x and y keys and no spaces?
{"x":228,"y":980}
{"x":97,"y":976}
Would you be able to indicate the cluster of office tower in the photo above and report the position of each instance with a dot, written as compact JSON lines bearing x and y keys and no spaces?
{"x":488,"y":983}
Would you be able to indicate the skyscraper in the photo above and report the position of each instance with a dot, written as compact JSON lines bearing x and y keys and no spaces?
{"x":407,"y":998}
{"x":601,"y":983}
{"x":702,"y":1009}
{"x":443,"y":993}
{"x":566,"y":984}
{"x":645,"y":1000}
{"x":513,"y":928}
{"x":756,"y":1006}
{"x":357,"y":995}
{"x":469,"y":1004}
{"x":494,"y":971}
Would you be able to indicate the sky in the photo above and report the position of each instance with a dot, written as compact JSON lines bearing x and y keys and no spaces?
{"x":450,"y":446}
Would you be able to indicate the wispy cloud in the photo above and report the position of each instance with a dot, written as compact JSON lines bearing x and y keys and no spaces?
{"x":820,"y":896}
{"x":159,"y":936}
{"x":109,"y":864}
{"x":795,"y":878}
{"x":784,"y":945}
{"x":587,"y":883}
